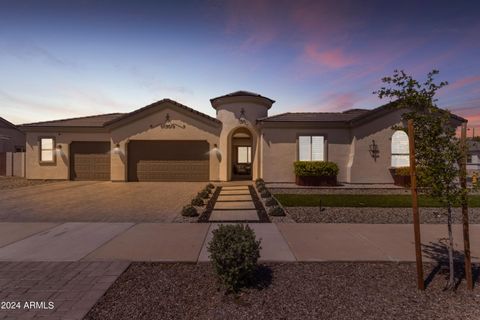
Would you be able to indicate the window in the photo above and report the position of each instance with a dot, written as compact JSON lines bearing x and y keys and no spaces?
{"x":400,"y":152}
{"x":311,"y":148}
{"x":469,"y":158}
{"x":47,"y":150}
{"x":244,"y":154}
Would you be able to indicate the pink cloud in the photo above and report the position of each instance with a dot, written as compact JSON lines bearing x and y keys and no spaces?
{"x":331,"y":58}
{"x":464,"y":82}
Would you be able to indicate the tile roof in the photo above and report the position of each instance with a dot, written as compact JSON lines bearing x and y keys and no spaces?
{"x":7,"y":124}
{"x":316,"y":116}
{"x":90,"y":121}
{"x":242,"y":93}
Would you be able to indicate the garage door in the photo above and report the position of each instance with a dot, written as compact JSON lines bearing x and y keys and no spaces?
{"x":90,"y":160}
{"x":182,"y":160}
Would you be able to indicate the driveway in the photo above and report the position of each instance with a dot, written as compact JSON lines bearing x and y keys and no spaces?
{"x":97,"y":201}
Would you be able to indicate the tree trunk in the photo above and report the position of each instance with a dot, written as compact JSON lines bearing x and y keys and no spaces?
{"x":451,"y":281}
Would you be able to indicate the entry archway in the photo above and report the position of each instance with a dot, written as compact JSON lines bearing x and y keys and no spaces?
{"x":242,"y":154}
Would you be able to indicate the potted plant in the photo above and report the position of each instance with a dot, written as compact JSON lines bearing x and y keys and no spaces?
{"x":316,"y":173}
{"x":401,"y":176}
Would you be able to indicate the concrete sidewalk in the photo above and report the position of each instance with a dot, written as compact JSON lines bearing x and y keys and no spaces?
{"x":170,"y":242}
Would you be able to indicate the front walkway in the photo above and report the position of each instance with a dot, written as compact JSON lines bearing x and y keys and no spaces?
{"x":187,"y":242}
{"x":234,"y":203}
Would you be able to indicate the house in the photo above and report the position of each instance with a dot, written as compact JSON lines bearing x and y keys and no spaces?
{"x":11,"y":140}
{"x":473,"y":156}
{"x":168,"y":141}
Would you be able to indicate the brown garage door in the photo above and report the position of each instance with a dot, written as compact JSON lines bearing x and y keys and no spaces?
{"x":90,"y":160}
{"x":3,"y":163}
{"x":183,"y":160}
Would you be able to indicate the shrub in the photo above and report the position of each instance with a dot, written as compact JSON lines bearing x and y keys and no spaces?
{"x":189,"y":211}
{"x":203,"y":194}
{"x":402,"y":171}
{"x":197,"y":201}
{"x":276,"y":211}
{"x":270,"y":202}
{"x":315,"y":168}
{"x":210,"y":186}
{"x":234,"y":253}
{"x":261,"y":188}
{"x":209,"y":191}
{"x":259,"y":181}
{"x":265,"y":194}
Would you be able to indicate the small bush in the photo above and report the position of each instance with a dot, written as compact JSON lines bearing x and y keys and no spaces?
{"x":209,"y":191}
{"x":203,"y":194}
{"x":259,"y":181}
{"x":270,"y":202}
{"x":261,"y":188}
{"x":210,"y":186}
{"x":265,"y":194}
{"x":276,"y":211}
{"x":197,"y":201}
{"x":189,"y":211}
{"x":234,"y":253}
{"x":315,"y":168}
{"x":402,"y":171}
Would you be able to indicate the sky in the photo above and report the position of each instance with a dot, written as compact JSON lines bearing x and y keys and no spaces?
{"x":61,"y":59}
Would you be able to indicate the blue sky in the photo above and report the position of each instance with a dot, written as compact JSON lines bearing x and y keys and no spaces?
{"x":61,"y":59}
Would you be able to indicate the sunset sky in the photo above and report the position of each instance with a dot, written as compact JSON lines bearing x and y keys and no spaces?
{"x":61,"y":59}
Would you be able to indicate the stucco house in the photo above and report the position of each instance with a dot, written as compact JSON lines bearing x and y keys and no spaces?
{"x":168,"y":141}
{"x":11,"y":140}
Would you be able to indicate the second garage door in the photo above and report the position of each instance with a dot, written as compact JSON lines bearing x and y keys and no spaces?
{"x":89,"y":160}
{"x":180,"y":160}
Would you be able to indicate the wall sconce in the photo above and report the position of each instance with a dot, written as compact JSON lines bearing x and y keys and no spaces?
{"x":373,"y":149}
{"x":242,"y":118}
{"x":116,"y":150}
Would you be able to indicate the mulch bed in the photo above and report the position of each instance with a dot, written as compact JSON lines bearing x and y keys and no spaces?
{"x":261,"y":212}
{"x":376,"y":215}
{"x":285,"y":291}
{"x":205,"y":216}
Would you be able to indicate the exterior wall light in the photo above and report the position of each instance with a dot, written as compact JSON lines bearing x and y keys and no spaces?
{"x":59,"y":147}
{"x":116,"y":150}
{"x":373,"y":149}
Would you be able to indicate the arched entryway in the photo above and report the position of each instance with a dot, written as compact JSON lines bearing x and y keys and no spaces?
{"x":242,"y":154}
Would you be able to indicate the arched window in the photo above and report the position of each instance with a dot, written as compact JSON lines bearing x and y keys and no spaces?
{"x":400,"y":153}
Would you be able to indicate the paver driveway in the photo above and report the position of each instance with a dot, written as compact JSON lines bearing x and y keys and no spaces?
{"x":97,"y":201}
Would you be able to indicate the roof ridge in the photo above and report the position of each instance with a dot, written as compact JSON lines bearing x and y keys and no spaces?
{"x":74,"y":118}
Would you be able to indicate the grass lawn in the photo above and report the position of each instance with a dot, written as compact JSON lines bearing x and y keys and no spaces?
{"x":343,"y":200}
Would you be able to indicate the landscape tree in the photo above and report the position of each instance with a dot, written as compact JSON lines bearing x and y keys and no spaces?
{"x":437,"y":149}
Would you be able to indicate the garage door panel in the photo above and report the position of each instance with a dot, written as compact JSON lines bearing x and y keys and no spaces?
{"x":90,"y":161}
{"x":183,"y":160}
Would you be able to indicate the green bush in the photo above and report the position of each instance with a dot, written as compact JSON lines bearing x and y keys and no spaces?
{"x":234,"y":253}
{"x":210,"y":186}
{"x":261,"y":188}
{"x":197,"y":201}
{"x":270,"y":202}
{"x":203,"y":194}
{"x":315,"y":168}
{"x":265,"y":194}
{"x":206,"y":189}
{"x":276,"y":211}
{"x":189,"y":211}
{"x":402,"y":171}
{"x":259,"y":181}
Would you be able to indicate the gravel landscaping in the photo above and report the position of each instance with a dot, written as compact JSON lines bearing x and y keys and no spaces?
{"x":376,"y":215}
{"x":337,"y":191}
{"x":285,"y":291}
{"x":7,"y":183}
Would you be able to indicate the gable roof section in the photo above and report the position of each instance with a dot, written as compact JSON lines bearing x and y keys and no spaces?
{"x":125,"y":117}
{"x":111,"y":119}
{"x":348,"y":117}
{"x":96,"y":121}
{"x":7,"y":124}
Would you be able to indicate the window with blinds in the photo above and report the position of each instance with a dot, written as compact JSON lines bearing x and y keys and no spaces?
{"x":400,"y":152}
{"x":311,"y":148}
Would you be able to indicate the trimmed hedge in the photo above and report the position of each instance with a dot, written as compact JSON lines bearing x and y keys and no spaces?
{"x":402,"y":171}
{"x":315,"y":168}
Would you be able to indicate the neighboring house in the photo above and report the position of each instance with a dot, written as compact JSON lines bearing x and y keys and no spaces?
{"x":473,"y":157}
{"x":11,"y":140}
{"x":167,"y":141}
